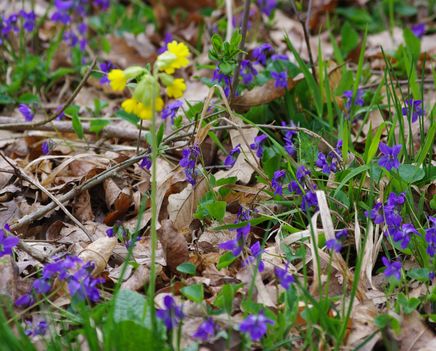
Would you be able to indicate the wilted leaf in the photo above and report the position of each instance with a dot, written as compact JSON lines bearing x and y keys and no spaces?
{"x":174,"y":245}
{"x":99,"y":252}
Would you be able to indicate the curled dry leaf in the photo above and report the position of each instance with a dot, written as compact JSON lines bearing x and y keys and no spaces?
{"x":99,"y":252}
{"x":138,"y":279}
{"x":362,"y":326}
{"x":181,"y":206}
{"x":82,"y":209}
{"x":415,"y":335}
{"x":8,"y":277}
{"x":174,"y":245}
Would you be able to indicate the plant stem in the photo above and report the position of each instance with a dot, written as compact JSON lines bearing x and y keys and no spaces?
{"x":153,"y":223}
{"x":241,"y":47}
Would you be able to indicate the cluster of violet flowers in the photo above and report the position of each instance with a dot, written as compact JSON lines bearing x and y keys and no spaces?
{"x":250,"y":68}
{"x":254,"y":325}
{"x":71,"y":270}
{"x":189,"y":162}
{"x":389,"y":214}
{"x":12,"y":24}
{"x":7,"y":242}
{"x":329,"y":162}
{"x":67,"y":11}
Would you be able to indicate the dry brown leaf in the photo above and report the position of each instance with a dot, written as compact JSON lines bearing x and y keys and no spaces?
{"x":181,"y":206}
{"x":4,"y":176}
{"x":99,"y":252}
{"x":362,"y":326}
{"x":174,"y":245}
{"x":8,"y":278}
{"x":415,"y":335}
{"x":138,"y":279}
{"x":82,"y":209}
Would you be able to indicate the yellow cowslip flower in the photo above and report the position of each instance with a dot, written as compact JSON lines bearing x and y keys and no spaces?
{"x":145,"y":112}
{"x":129,"y":105}
{"x":118,"y":79}
{"x":178,"y":57}
{"x":176,"y":89}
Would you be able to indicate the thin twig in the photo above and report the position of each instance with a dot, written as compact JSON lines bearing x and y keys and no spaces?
{"x":24,"y":176}
{"x":305,"y":25}
{"x":32,"y":125}
{"x":235,"y":82}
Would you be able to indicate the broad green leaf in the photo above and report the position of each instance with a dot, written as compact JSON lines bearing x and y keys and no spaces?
{"x":77,"y":126}
{"x":217,"y":209}
{"x":226,"y":260}
{"x":350,"y":38}
{"x":410,"y":173}
{"x":97,"y":125}
{"x":194,"y":292}
{"x":187,"y":268}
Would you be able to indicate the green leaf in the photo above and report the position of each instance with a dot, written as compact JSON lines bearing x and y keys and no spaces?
{"x":187,"y":268}
{"x":28,"y":98}
{"x":77,"y":126}
{"x":194,"y":292}
{"x":226,"y":260}
{"x":413,"y":43}
{"x":350,"y":38}
{"x":226,"y":296}
{"x":410,"y":173}
{"x":351,"y":175}
{"x":129,"y":117}
{"x":97,"y":125}
{"x":420,"y":274}
{"x":374,"y":143}
{"x":160,"y":133}
{"x":132,"y":324}
{"x":217,"y":209}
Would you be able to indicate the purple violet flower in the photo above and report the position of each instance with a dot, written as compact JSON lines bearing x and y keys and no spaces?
{"x":389,"y":159}
{"x":289,"y":140}
{"x":247,"y":72}
{"x":206,"y":330}
{"x":430,"y":237}
{"x":309,"y":200}
{"x":26,"y":111}
{"x":29,"y":19}
{"x":222,"y":80}
{"x":260,"y":53}
{"x":168,"y":38}
{"x":301,"y":173}
{"x":171,"y":110}
{"x":256,"y":254}
{"x":402,"y":234}
{"x":279,"y":57}
{"x":25,"y":301}
{"x":7,"y":243}
{"x":255,"y":326}
{"x":145,"y":163}
{"x":393,"y":269}
{"x":267,"y":6}
{"x":189,"y":161}
{"x":413,"y":107}
{"x":258,"y":144}
{"x":285,"y":279}
{"x":41,"y":328}
{"x":105,"y":67}
{"x":42,"y":285}
{"x":418,"y":30}
{"x":327,"y":163}
{"x":230,"y":160}
{"x":358,"y":100}
{"x":336,"y":243}
{"x":277,"y":182}
{"x":281,"y":79}
{"x":236,"y":245}
{"x":376,"y":213}
{"x":172,"y":314}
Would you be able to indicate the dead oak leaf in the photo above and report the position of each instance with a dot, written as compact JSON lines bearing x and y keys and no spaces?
{"x":174,"y":245}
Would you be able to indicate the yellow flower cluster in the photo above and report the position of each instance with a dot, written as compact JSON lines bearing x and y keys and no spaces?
{"x":175,"y":57}
{"x":139,"y":109}
{"x":117,"y":79}
{"x":178,"y":59}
